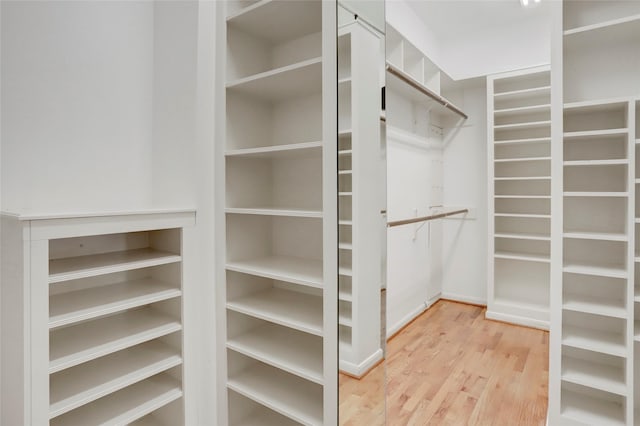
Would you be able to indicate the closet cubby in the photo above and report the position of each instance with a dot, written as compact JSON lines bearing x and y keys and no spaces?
{"x":594,"y":294}
{"x":580,"y":16}
{"x":600,"y":371}
{"x":597,"y":257}
{"x":279,"y":139}
{"x":596,"y":178}
{"x":106,"y":317}
{"x":519,"y":134}
{"x":597,"y":148}
{"x":607,"y":215}
{"x":595,"y":333}
{"x":591,"y":406}
{"x":394,"y":47}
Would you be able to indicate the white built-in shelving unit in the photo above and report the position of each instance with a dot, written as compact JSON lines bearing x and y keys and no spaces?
{"x":596,"y":87}
{"x":97,"y":301}
{"x":359,"y":102}
{"x":277,"y":280}
{"x":519,"y":171}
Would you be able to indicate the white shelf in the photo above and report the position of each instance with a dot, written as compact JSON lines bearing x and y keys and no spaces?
{"x":522,"y":178}
{"x":523,"y":236}
{"x":263,"y":416}
{"x":126,"y":405}
{"x":593,"y":305}
{"x":292,"y":351}
{"x":276,"y":21}
{"x":636,"y":330}
{"x":621,"y":161}
{"x":345,"y":194}
{"x":290,"y":396}
{"x":522,"y":256}
{"x":306,"y":272}
{"x":523,"y":94}
{"x":345,"y":246}
{"x":594,"y":375}
{"x":291,"y":81}
{"x":593,"y":134}
{"x":516,"y":160}
{"x":523,"y":197}
{"x":522,"y":126}
{"x":70,"y":346}
{"x":594,"y":340}
{"x":345,"y":296}
{"x":598,"y":271}
{"x":596,"y":194}
{"x":345,"y":152}
{"x":292,"y":309}
{"x":345,"y":172}
{"x":589,"y":410}
{"x":84,"y":304}
{"x":72,"y":268}
{"x":506,"y":112}
{"x":87,"y":382}
{"x":604,"y":25}
{"x":344,"y":320}
{"x":277,"y":151}
{"x":522,"y":141}
{"x":604,"y":236}
{"x":343,"y":270}
{"x":524,"y":215}
{"x":268,"y":211}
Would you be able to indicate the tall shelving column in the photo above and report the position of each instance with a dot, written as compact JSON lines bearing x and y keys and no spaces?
{"x":519,"y":111}
{"x":596,"y":61}
{"x":278,"y":283}
{"x":359,"y":248}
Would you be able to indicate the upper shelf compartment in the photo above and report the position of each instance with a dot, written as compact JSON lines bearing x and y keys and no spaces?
{"x":580,"y":16}
{"x":272,"y":34}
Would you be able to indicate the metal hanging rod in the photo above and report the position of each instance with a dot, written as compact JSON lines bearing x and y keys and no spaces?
{"x":425,"y":218}
{"x":424,"y":90}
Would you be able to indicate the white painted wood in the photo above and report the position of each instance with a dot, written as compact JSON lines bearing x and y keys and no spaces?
{"x":305,"y":272}
{"x":90,"y":381}
{"x":269,"y":344}
{"x":292,"y":309}
{"x":81,"y":305}
{"x":125,"y":406}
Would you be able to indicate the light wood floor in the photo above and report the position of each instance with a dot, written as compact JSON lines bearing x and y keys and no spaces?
{"x":451,"y":367}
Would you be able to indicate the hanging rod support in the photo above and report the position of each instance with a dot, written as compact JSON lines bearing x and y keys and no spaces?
{"x":425,"y":218}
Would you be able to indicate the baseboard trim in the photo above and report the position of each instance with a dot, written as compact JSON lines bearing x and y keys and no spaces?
{"x":357,"y":371}
{"x":517,"y":320}
{"x":469,"y":300}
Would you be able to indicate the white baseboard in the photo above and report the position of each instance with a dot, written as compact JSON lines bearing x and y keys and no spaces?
{"x":358,"y":370}
{"x":464,"y":299}
{"x":406,"y":319}
{"x":514,"y":319}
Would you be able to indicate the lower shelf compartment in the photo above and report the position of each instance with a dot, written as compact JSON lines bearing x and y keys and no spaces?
{"x":74,"y":387}
{"x":126,"y":405}
{"x":291,"y":396}
{"x":245,"y":412}
{"x":593,"y":370}
{"x":591,"y":407}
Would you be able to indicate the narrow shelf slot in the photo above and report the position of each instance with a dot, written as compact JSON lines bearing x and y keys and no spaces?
{"x":295,"y":270}
{"x":522,"y":256}
{"x":612,"y":162}
{"x":74,"y":387}
{"x":523,"y":236}
{"x":286,"y":151}
{"x":72,"y":268}
{"x":523,"y":93}
{"x":591,"y":407}
{"x":612,"y":271}
{"x":126,"y":405}
{"x":606,"y":374}
{"x":522,"y":141}
{"x":593,"y":305}
{"x":604,"y":236}
{"x":70,"y":346}
{"x":594,"y":340}
{"x":292,"y":309}
{"x":84,"y":304}
{"x":284,"y":393}
{"x":271,"y":211}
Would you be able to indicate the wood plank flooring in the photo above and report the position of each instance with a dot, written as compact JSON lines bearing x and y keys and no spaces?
{"x":451,"y":367}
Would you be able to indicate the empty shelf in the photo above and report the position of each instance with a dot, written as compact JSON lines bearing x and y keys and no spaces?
{"x":343,"y":270}
{"x":612,"y":194}
{"x":292,"y":309}
{"x":523,"y":236}
{"x":80,"y":343}
{"x":506,"y":112}
{"x":279,"y":151}
{"x":126,"y":405}
{"x":614,"y":162}
{"x":291,"y":81}
{"x":291,"y":269}
{"x":265,"y":417}
{"x":85,"y":383}
{"x":594,"y":340}
{"x":594,"y":305}
{"x":605,"y":236}
{"x":346,"y":296}
{"x":636,"y":330}
{"x":345,"y":246}
{"x":523,"y":178}
{"x":523,"y":197}
{"x":345,"y":222}
{"x":524,"y":215}
{"x":612,"y":271}
{"x":269,"y":211}
{"x":524,"y":93}
{"x":522,"y":126}
{"x":292,"y":351}
{"x":522,"y":256}
{"x":289,"y":395}
{"x":72,"y":268}
{"x":594,"y":375}
{"x":516,"y":160}
{"x":590,"y":410}
{"x":80,"y":305}
{"x":592,"y":134}
{"x":521,"y":141}
{"x":344,"y":320}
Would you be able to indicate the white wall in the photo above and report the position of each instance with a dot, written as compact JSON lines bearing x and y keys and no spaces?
{"x":77,"y":92}
{"x":464,"y":271}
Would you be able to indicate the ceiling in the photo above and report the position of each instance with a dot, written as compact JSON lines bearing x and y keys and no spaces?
{"x":453,"y":18}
